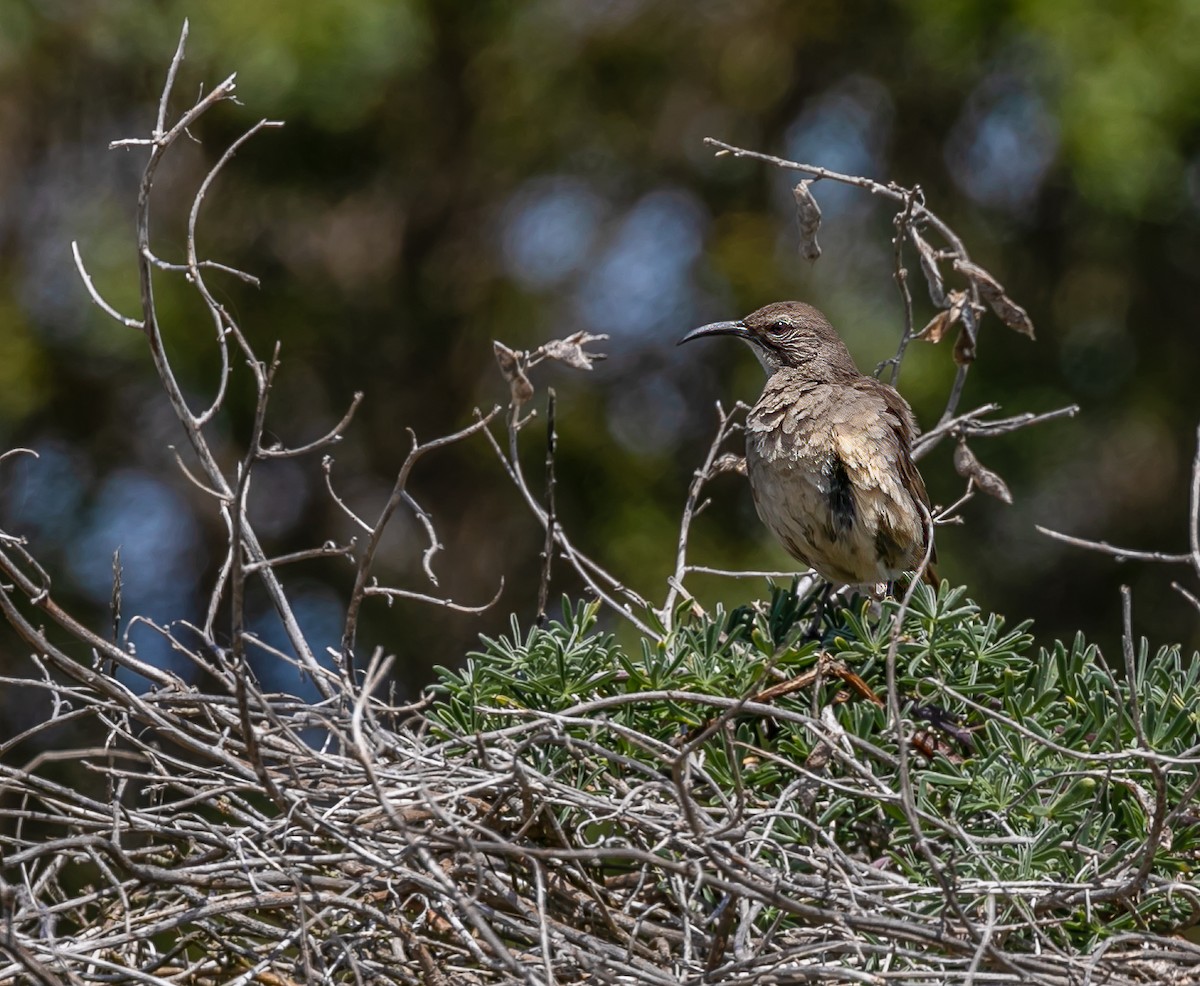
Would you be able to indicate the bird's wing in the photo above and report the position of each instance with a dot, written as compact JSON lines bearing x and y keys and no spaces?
{"x":886,"y":424}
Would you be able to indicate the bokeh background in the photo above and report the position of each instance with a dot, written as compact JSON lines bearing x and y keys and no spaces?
{"x":454,"y":173}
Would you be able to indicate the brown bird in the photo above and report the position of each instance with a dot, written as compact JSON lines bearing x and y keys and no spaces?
{"x":829,"y":452}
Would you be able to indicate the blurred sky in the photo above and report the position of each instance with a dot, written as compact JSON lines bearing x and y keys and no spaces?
{"x":452,"y":174}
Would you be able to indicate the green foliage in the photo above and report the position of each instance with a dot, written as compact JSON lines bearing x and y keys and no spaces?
{"x":1025,"y":767}
{"x":418,"y":133}
{"x":1121,"y":78}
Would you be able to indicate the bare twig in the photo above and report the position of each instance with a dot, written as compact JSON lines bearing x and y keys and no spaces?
{"x":331,"y":437}
{"x":970,"y":424}
{"x":739,"y":574}
{"x":159,"y":144}
{"x":1190,"y":597}
{"x":1194,"y":509}
{"x":551,"y":512}
{"x":903,"y":224}
{"x":435,"y":545}
{"x":327,"y":550}
{"x":327,"y":471}
{"x":726,"y":425}
{"x":104,"y":306}
{"x":513,"y":364}
{"x":212,"y":265}
{"x":376,"y":590}
{"x":399,"y":489}
{"x":1121,"y":554}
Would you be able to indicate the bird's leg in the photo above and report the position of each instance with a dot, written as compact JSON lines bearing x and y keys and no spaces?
{"x":821,"y":597}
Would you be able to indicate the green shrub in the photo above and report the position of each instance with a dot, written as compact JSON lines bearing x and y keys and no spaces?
{"x":1031,"y":792}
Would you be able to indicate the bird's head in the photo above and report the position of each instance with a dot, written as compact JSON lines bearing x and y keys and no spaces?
{"x":787,"y":335}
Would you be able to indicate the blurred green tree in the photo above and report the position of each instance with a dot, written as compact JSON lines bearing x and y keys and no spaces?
{"x":450,"y":174}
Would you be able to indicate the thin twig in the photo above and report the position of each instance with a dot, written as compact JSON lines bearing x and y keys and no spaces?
{"x":1121,"y":554}
{"x":331,"y":437}
{"x":327,"y":550}
{"x":377,"y":590}
{"x":160,"y":143}
{"x":213,"y":265}
{"x":1194,"y":509}
{"x":551,"y":512}
{"x":725,"y":427}
{"x":160,"y":124}
{"x":1190,"y":597}
{"x":739,"y":574}
{"x":367,"y":558}
{"x":618,"y":597}
{"x":104,"y":306}
{"x":903,"y":223}
{"x":426,"y":521}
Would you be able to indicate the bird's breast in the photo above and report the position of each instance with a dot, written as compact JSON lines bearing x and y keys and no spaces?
{"x":823,"y":476}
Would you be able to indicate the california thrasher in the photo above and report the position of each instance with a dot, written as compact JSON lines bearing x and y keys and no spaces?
{"x":829,"y":452}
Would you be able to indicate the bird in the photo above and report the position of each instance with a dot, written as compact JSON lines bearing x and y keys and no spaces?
{"x":829,"y":452}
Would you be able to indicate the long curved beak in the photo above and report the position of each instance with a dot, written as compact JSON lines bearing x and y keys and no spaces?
{"x":717,"y":329}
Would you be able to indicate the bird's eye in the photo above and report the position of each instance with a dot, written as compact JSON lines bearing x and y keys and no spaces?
{"x":779,"y":326}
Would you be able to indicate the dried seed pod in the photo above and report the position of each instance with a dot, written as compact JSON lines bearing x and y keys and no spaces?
{"x":808,"y":215}
{"x":969,"y":467}
{"x":1007,"y":310}
{"x":570,"y":350}
{"x":929,"y":267}
{"x":964,"y":345}
{"x":943,"y":321}
{"x":936,"y":329}
{"x":510,"y":366}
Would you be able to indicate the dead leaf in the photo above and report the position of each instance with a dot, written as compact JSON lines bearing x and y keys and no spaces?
{"x":929,"y":267}
{"x":570,"y":350}
{"x":510,"y":366}
{"x":937,"y":326}
{"x":942,"y":322}
{"x":808,"y":215}
{"x":969,"y":467}
{"x":1007,"y":310}
{"x":964,"y":345}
